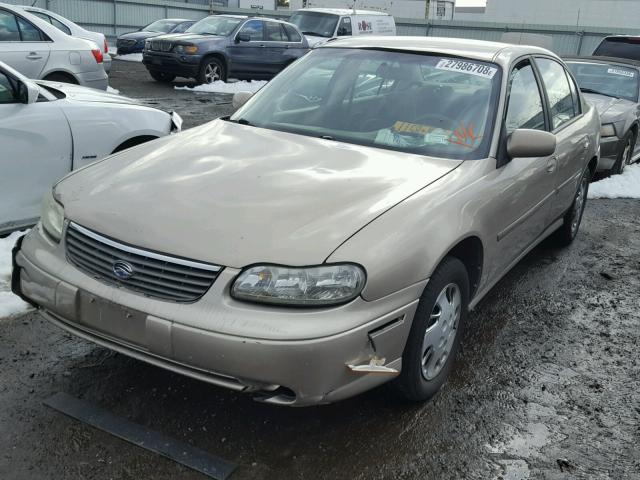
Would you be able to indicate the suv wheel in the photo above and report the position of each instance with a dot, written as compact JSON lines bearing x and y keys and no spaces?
{"x":436,"y":332}
{"x":211,"y":70}
{"x":162,"y":76}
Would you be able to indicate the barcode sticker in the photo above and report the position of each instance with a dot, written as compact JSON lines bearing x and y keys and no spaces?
{"x":624,"y":73}
{"x":469,"y":68}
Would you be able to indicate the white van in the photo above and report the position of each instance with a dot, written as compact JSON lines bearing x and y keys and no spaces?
{"x":321,"y":24}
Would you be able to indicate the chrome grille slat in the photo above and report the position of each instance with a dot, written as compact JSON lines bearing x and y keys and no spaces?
{"x":154,"y":274}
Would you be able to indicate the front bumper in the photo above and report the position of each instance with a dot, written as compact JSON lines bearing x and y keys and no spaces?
{"x":284,"y":356}
{"x":172,"y":63}
{"x":609,"y":150}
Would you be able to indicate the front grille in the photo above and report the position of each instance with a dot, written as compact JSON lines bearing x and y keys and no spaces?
{"x":125,"y":43}
{"x":161,"y":46}
{"x":149,"y":273}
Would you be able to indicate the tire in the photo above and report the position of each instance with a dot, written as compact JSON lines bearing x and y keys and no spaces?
{"x":436,"y":332}
{"x":625,"y":154}
{"x":211,"y":70}
{"x":61,"y":77}
{"x":567,"y":233}
{"x":162,"y":76}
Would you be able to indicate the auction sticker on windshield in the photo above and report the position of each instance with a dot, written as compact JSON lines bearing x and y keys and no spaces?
{"x":619,"y":71}
{"x":470,"y":68}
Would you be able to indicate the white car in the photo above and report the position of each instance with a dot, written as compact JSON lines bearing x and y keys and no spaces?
{"x":75,"y":30}
{"x":39,"y":50}
{"x":48,"y":129}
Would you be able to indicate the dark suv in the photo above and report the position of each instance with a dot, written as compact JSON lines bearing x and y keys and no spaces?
{"x":222,"y":46}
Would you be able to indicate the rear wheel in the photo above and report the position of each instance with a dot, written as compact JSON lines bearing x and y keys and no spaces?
{"x":211,"y":70}
{"x":625,"y":155}
{"x":162,"y":76}
{"x":566,"y":234}
{"x":436,"y":332}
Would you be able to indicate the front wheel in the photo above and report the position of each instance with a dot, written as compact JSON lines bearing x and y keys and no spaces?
{"x":567,"y":233}
{"x":211,"y":71}
{"x":625,"y":155}
{"x":436,"y":332}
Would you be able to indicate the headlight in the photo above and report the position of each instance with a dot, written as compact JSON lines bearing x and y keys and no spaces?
{"x":52,"y":216}
{"x":309,"y":286}
{"x":147,"y":44}
{"x":607,"y":130}
{"x":190,"y":49}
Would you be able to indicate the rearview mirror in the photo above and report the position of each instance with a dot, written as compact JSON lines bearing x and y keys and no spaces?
{"x":28,"y":92}
{"x":243,"y":37}
{"x":524,"y":143}
{"x":240,"y":98}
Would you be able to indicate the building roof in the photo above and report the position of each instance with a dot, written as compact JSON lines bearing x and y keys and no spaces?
{"x":460,"y":47}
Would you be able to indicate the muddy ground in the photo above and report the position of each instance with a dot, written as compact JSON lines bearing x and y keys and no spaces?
{"x":547,"y":385}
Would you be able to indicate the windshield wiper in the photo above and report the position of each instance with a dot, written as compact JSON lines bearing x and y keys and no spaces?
{"x":590,"y":90}
{"x":240,"y":121}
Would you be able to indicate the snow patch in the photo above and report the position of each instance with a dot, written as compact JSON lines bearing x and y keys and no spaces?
{"x":113,"y":90}
{"x":130,"y":57}
{"x":232,"y":87}
{"x":626,"y":185}
{"x":9,"y":303}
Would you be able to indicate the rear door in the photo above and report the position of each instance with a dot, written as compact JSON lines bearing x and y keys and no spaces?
{"x":247,"y":58}
{"x":36,"y":152}
{"x":22,"y":45}
{"x":566,"y":123}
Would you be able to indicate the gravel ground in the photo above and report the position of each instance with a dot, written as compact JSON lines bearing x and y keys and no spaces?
{"x":547,"y":385}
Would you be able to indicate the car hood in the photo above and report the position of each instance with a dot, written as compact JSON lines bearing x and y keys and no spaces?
{"x":235,"y":195}
{"x":609,"y":107}
{"x":78,"y":93}
{"x":139,"y":35}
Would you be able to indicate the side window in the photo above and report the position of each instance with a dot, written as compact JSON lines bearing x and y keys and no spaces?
{"x":42,"y":16}
{"x":60,"y":26}
{"x":577,"y":107}
{"x":292,"y":33}
{"x":275,"y":33}
{"x":7,"y":93}
{"x":28,"y":32}
{"x":8,"y":28}
{"x":344,"y":28}
{"x":255,"y":29}
{"x":524,"y":108}
{"x":558,"y":90}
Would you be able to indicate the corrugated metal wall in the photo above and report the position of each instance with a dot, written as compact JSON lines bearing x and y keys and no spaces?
{"x":114,"y":17}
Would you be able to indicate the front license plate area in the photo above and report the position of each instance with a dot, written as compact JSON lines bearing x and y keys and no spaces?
{"x":112,"y":319}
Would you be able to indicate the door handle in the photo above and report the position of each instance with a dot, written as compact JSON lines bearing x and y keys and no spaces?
{"x":552,"y":164}
{"x":34,"y":56}
{"x":262,"y":46}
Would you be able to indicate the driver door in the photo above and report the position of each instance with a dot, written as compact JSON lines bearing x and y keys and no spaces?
{"x":22,"y":45}
{"x":36,"y":152}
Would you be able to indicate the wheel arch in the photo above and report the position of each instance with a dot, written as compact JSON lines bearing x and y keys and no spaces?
{"x":63,"y":73}
{"x":470,"y":251}
{"x":134,"y":141}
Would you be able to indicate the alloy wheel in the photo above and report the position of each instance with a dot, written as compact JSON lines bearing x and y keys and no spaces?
{"x":441,"y":333}
{"x":212,"y":73}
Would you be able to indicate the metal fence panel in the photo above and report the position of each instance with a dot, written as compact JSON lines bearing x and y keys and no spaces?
{"x":114,"y":17}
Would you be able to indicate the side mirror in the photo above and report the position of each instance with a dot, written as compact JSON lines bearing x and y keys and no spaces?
{"x":28,"y":92}
{"x":243,"y":37}
{"x":524,"y":143}
{"x":240,"y":98}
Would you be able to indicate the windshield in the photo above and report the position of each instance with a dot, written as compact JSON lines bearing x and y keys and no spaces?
{"x":216,"y":25}
{"x":161,"y":26}
{"x":425,"y":104}
{"x":607,"y":79}
{"x":621,"y":47}
{"x":315,"y":23}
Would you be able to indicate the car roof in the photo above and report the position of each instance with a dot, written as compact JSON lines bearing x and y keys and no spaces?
{"x":460,"y":47}
{"x":343,"y":11}
{"x":603,"y":59}
{"x":228,"y":15}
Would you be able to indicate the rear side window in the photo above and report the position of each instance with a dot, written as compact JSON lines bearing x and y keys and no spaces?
{"x":524,"y":109}
{"x":8,"y":27}
{"x":292,"y":33}
{"x":621,"y":47}
{"x":28,"y":32}
{"x":59,"y":25}
{"x":556,"y":83}
{"x":275,"y":33}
